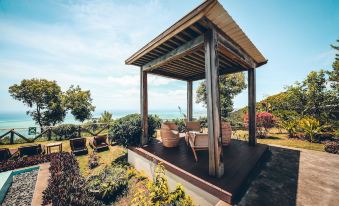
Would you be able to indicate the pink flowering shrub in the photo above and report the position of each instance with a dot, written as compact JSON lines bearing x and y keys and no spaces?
{"x":265,"y":121}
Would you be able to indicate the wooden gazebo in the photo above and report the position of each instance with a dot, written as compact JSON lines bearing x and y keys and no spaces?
{"x":204,"y":44}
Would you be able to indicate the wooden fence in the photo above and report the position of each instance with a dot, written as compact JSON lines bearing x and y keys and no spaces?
{"x":12,"y":132}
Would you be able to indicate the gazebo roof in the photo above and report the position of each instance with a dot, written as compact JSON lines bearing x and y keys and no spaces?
{"x":184,"y":43}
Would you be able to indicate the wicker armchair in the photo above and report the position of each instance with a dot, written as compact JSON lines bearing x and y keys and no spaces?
{"x":169,"y":134}
{"x":197,"y":141}
{"x":191,"y":126}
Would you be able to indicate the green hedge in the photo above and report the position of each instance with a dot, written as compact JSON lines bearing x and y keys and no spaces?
{"x":126,"y":131}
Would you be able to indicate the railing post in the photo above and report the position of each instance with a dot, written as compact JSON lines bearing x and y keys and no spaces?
{"x":11,"y":140}
{"x":79,"y":131}
{"x":49,"y":134}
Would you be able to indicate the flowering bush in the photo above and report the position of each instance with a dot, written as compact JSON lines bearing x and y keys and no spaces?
{"x":265,"y":120}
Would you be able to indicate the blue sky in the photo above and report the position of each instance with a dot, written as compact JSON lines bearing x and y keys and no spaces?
{"x":86,"y":42}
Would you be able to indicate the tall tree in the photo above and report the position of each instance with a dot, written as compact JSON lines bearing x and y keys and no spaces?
{"x":334,"y":74}
{"x":229,"y":86}
{"x":79,"y":103}
{"x":43,"y":97}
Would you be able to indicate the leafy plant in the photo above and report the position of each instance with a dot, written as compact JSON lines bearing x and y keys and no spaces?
{"x":310,"y":126}
{"x":180,"y":123}
{"x":93,"y":160}
{"x":20,"y":162}
{"x":157,"y":192}
{"x":66,"y":186}
{"x":126,"y":131}
{"x":66,"y":131}
{"x":110,"y":183}
{"x":291,"y":126}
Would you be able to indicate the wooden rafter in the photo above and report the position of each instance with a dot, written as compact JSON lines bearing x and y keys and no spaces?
{"x":175,"y":54}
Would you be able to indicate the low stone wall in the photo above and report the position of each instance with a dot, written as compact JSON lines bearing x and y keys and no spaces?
{"x":199,"y":196}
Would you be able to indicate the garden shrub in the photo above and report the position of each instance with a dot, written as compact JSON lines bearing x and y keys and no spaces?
{"x":310,"y":126}
{"x":126,"y":131}
{"x":110,"y":183}
{"x":20,"y":162}
{"x":157,"y":192}
{"x":66,"y":131}
{"x":265,"y":121}
{"x":66,"y":186}
{"x":203,"y":122}
{"x":332,"y":147}
{"x":291,"y":126}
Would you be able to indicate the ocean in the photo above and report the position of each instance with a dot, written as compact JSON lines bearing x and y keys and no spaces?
{"x":19,"y":120}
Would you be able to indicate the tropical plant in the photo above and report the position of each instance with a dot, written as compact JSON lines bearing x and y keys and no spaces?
{"x":79,"y":103}
{"x":110,"y":183}
{"x":291,"y":126}
{"x":157,"y":192}
{"x":310,"y":126}
{"x":126,"y":131}
{"x":229,"y":86}
{"x":106,"y":117}
{"x":180,"y":123}
{"x":43,"y":97}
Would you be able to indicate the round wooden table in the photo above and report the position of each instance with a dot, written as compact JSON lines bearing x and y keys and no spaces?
{"x":55,"y":144}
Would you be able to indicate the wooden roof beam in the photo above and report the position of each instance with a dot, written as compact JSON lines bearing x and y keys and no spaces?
{"x":176,"y":53}
{"x":234,"y":52}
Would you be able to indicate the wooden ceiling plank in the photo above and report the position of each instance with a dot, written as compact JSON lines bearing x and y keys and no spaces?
{"x":176,"y":53}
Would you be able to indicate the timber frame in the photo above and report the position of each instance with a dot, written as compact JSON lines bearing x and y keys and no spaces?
{"x":203,"y":44}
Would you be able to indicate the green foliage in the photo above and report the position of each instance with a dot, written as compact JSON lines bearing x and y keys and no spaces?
{"x":180,"y":123}
{"x":158,"y":194}
{"x":291,"y":126}
{"x":126,"y":131}
{"x":310,"y":126}
{"x":43,"y":97}
{"x":66,"y":186}
{"x":106,"y":117}
{"x":229,"y":86}
{"x":179,"y":198}
{"x":110,"y":183}
{"x":66,"y":131}
{"x":79,"y":102}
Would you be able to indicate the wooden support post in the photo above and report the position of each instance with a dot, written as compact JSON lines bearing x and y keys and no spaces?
{"x":189,"y":100}
{"x":216,"y":166}
{"x":144,"y":107}
{"x":11,"y":139}
{"x":252,"y":140}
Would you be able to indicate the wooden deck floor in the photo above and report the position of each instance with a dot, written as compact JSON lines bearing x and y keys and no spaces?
{"x":239,"y":161}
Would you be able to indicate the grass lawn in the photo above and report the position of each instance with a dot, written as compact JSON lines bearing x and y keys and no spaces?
{"x":106,"y":157}
{"x":275,"y":138}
